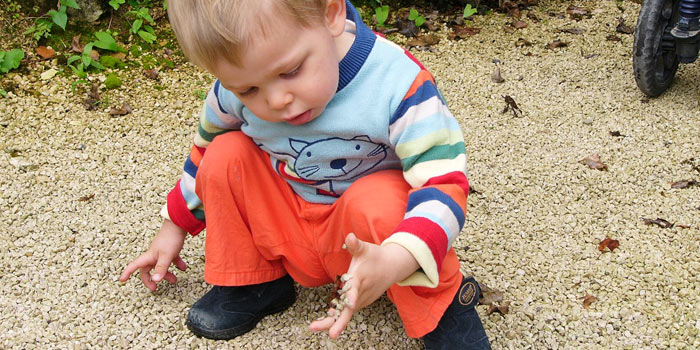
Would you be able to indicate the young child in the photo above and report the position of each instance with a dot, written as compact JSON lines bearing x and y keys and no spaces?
{"x":322,"y":149}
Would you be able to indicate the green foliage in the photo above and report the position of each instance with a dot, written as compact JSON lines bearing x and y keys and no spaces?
{"x":10,"y":60}
{"x":468,"y":11}
{"x":116,"y":3}
{"x":40,"y":29}
{"x":382,"y":14}
{"x":105,"y":41}
{"x":111,"y":62}
{"x":145,"y":32}
{"x":416,"y":17}
{"x":201,"y":94}
{"x":84,"y":61}
{"x":113,"y":81}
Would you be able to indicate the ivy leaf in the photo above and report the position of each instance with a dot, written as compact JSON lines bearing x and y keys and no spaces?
{"x":147,"y":37}
{"x":420,"y":20}
{"x":106,"y":41}
{"x":413,"y":14}
{"x":136,"y":26}
{"x":11,"y":60}
{"x":70,"y":3}
{"x":59,"y":17}
{"x":468,"y":11}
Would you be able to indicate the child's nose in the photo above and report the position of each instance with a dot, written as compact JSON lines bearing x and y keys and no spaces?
{"x":279,"y":100}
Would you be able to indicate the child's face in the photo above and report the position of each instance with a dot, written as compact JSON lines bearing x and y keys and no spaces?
{"x":289,"y":75}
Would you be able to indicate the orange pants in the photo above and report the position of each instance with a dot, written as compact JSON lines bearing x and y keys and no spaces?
{"x":258,"y":229}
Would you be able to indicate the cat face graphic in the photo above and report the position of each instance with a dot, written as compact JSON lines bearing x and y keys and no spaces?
{"x":315,"y":160}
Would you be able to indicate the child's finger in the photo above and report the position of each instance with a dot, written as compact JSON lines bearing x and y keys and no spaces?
{"x":132,"y":267}
{"x":161,"y":268}
{"x":353,"y":244}
{"x":146,"y":278}
{"x":322,"y":324}
{"x":340,"y":323}
{"x":170,"y":277}
{"x":179,"y":263}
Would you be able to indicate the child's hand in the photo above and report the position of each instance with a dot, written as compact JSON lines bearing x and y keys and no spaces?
{"x":374,"y":269}
{"x":164,"y":250}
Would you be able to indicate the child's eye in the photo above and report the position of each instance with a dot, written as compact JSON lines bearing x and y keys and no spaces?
{"x":291,"y":73}
{"x":248,"y":92}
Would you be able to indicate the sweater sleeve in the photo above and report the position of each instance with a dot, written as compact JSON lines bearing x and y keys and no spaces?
{"x":430,"y":144}
{"x":183,"y":207}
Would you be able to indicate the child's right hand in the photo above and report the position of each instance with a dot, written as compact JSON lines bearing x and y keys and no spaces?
{"x":163,"y":251}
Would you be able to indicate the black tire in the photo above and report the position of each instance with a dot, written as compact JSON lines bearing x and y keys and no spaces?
{"x":655,"y":60}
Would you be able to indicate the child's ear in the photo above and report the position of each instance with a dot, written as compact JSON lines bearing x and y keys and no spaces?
{"x":335,"y":16}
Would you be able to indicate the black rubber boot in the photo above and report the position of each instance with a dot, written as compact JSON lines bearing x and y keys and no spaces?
{"x":460,"y":326}
{"x":227,"y":312}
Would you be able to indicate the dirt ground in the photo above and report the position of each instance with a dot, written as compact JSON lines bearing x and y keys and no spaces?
{"x":80,"y":193}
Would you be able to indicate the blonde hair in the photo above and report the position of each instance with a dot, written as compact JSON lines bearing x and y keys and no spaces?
{"x":208,"y":30}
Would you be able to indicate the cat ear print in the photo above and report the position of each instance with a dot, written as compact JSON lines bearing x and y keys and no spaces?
{"x":297,"y":145}
{"x":362,"y":138}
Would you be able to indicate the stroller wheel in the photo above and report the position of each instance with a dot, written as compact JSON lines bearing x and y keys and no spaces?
{"x":655,"y":60}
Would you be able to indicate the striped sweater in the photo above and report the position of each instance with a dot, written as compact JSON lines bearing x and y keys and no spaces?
{"x":386,"y":114}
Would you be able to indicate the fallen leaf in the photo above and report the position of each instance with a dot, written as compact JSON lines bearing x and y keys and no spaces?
{"x":501,"y":309}
{"x":423,"y":40}
{"x":609,"y":244}
{"x":496,"y":76}
{"x":45,"y":52}
{"x":588,"y":300}
{"x":682,"y":226}
{"x":593,"y":162}
{"x":658,"y":222}
{"x":76,"y":46}
{"x":86,"y":198}
{"x":622,"y":27}
{"x":574,"y":31}
{"x":533,"y":17}
{"x":512,"y":106}
{"x":119,"y":55}
{"x":593,"y":55}
{"x":613,"y":37}
{"x":577,"y":13}
{"x":522,"y":43}
{"x":151,"y":73}
{"x":519,"y":24}
{"x":684,"y":184}
{"x":126,"y":109}
{"x":407,"y":28}
{"x":489,"y":295}
{"x":557,"y":43}
{"x":462,"y":32}
{"x":616,"y":134}
{"x":93,"y":97}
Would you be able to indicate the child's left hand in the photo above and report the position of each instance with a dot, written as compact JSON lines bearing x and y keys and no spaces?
{"x":374,"y":269}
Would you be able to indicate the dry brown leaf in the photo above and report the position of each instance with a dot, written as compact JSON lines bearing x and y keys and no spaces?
{"x":557,"y":43}
{"x":622,"y":27}
{"x":613,"y":37}
{"x":519,"y":24}
{"x":593,"y":162}
{"x":45,"y":52}
{"x":588,"y":300}
{"x":126,"y":109}
{"x":575,"y":31}
{"x":658,"y":222}
{"x":119,"y":55}
{"x":522,"y":43}
{"x":496,"y":76}
{"x":423,"y":40}
{"x":462,"y":32}
{"x":86,"y":198}
{"x":489,"y":296}
{"x":151,"y":73}
{"x":684,"y":184}
{"x":577,"y":13}
{"x":95,"y":55}
{"x":608,"y":243}
{"x":76,"y":46}
{"x":511,"y":106}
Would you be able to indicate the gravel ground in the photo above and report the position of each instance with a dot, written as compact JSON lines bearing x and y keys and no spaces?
{"x":80,"y":192}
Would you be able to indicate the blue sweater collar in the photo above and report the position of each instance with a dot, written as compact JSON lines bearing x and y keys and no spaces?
{"x":360,"y":49}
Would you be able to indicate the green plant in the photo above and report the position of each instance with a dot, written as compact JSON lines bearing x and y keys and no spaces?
{"x":416,"y":17}
{"x":382,"y":14}
{"x":42,"y":27}
{"x":201,"y":94}
{"x":116,"y":3}
{"x":105,"y":41}
{"x":85,"y":60}
{"x":113,"y":81}
{"x":468,"y":11}
{"x":146,"y":32}
{"x":9,"y":60}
